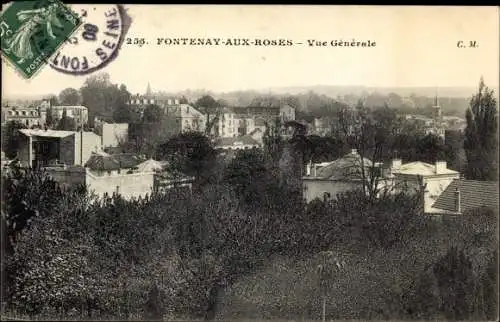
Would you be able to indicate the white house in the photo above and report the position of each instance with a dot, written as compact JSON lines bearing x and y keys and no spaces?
{"x":434,"y":178}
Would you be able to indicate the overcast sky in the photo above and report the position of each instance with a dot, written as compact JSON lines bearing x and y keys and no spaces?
{"x":415,"y":46}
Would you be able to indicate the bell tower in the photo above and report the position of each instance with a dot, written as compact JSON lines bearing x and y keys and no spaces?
{"x":437,"y":111}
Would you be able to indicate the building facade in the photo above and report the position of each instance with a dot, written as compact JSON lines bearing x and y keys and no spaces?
{"x":251,"y":120}
{"x":329,"y":179}
{"x":46,"y":147}
{"x":112,"y":134}
{"x":28,"y":116}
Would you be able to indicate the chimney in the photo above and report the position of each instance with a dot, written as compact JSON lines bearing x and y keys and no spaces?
{"x":457,"y":200}
{"x":440,"y":167}
{"x":396,"y":165}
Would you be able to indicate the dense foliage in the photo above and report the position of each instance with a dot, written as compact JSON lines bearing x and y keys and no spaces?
{"x":199,"y":255}
{"x":11,"y":138}
{"x":481,"y":135}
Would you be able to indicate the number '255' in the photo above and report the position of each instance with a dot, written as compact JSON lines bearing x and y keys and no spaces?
{"x":136,"y":41}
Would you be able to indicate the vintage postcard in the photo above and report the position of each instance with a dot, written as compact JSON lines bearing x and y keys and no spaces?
{"x":249,"y":163}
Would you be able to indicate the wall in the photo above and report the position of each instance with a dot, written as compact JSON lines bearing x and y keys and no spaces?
{"x":316,"y":188}
{"x":67,"y":150}
{"x":68,"y":177}
{"x":192,"y":119}
{"x":91,"y":143}
{"x":71,"y":111}
{"x":434,"y":187}
{"x":112,"y":133}
{"x":23,"y":152}
{"x":130,"y":185}
{"x":288,"y":113}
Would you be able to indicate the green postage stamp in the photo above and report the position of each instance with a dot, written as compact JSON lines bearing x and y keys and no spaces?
{"x":31,"y":31}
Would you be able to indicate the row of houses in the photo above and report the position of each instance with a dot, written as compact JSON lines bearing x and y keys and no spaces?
{"x":227,"y":122}
{"x":36,"y":115}
{"x":76,"y":157}
{"x":443,"y":191}
{"x":436,"y":124}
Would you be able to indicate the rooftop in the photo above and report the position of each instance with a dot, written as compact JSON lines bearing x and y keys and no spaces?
{"x":46,"y":133}
{"x":473,"y":194}
{"x":346,"y":167}
{"x":421,"y":168}
{"x":106,"y":162}
{"x":69,"y":107}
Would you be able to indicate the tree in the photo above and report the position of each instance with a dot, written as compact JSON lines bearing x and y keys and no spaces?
{"x":124,"y":113}
{"x":481,"y":137}
{"x":152,"y":114}
{"x":49,"y":118}
{"x":371,"y":133}
{"x":454,"y":142}
{"x":455,"y":280}
{"x":211,"y":109}
{"x":52,"y":99}
{"x":70,"y":96}
{"x":154,"y":308}
{"x":248,"y":175}
{"x":11,"y":138}
{"x":99,"y":95}
{"x":190,"y":153}
{"x":273,"y":141}
{"x":327,"y":269}
{"x":430,"y":148}
{"x":66,"y":123}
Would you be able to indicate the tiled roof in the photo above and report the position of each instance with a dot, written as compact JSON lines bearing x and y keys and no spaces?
{"x":103,"y":162}
{"x":254,"y":110}
{"x":347,"y":167}
{"x":473,"y":194}
{"x":128,"y":160}
{"x":150,"y":166}
{"x":99,"y":162}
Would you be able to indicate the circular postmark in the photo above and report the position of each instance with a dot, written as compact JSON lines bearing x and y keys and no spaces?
{"x":94,"y":44}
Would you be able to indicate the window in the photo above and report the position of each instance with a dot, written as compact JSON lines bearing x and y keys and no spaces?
{"x":24,"y":112}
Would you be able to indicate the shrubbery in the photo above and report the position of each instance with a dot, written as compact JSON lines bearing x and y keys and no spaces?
{"x":186,"y":255}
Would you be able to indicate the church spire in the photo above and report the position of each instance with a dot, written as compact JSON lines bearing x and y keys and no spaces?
{"x":436,"y":99}
{"x":148,"y":90}
{"x":438,"y":113}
